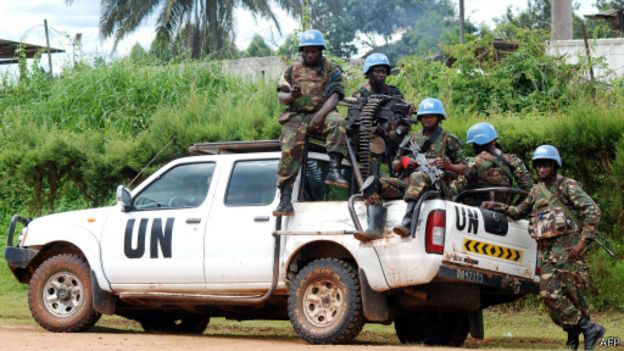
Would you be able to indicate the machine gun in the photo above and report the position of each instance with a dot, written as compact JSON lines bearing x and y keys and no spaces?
{"x":375,"y":115}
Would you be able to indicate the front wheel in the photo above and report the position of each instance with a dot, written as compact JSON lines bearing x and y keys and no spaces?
{"x":59,"y":295}
{"x":325,"y":305}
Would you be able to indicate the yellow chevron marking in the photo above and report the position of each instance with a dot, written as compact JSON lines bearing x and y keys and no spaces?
{"x":492,"y":250}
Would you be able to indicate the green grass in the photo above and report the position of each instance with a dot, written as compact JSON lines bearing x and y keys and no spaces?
{"x":504,"y":328}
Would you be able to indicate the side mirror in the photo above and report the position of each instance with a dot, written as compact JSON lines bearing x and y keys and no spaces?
{"x":124,"y":198}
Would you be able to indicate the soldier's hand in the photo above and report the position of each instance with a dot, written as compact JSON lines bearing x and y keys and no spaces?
{"x":577,"y":250}
{"x":442,"y":163}
{"x":492,"y":205}
{"x":316,"y":124}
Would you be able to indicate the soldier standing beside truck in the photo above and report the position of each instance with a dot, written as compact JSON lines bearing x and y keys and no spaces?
{"x":312,"y":88}
{"x":563,"y":220}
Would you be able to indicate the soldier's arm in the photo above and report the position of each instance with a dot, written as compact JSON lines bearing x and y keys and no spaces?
{"x":523,"y":209}
{"x":335,"y":90}
{"x":285,"y":89}
{"x":455,"y":155}
{"x":589,"y":210}
{"x":523,"y":177}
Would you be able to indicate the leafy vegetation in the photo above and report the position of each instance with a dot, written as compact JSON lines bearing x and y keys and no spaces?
{"x":69,"y":141}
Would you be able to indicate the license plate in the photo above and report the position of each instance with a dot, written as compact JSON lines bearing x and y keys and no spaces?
{"x":473,"y":277}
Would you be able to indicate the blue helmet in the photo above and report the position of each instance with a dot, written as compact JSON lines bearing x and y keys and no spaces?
{"x":547,"y":152}
{"x":312,"y":37}
{"x":430,"y":106}
{"x":376,"y":59}
{"x":481,"y":133}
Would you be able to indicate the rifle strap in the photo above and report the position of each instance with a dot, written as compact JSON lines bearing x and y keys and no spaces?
{"x":507,"y":168}
{"x":554,"y":199}
{"x":432,"y":139}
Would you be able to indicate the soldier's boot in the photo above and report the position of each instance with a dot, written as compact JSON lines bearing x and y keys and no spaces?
{"x":285,"y":207}
{"x":573,"y":338}
{"x":376,"y":222}
{"x":592,"y":332}
{"x":404,"y":229}
{"x":333,"y":174}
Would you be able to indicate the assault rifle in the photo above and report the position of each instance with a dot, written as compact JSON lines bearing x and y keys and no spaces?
{"x":433,"y":172}
{"x":600,"y":240}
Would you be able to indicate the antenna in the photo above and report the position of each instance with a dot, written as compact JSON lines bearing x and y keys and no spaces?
{"x":151,"y":161}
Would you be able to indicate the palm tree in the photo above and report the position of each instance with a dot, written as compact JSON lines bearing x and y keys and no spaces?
{"x":203,"y":26}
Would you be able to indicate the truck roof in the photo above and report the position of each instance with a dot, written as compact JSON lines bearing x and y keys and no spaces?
{"x":235,"y":147}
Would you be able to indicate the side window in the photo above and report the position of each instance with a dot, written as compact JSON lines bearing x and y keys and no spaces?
{"x":313,"y":183}
{"x":252,"y":183}
{"x":184,"y":186}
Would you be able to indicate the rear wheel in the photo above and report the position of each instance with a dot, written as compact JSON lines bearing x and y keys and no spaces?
{"x":59,"y":295}
{"x":325,"y":306}
{"x":172,"y":323}
{"x":432,"y":328}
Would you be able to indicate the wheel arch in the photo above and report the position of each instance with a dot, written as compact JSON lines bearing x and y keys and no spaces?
{"x":74,"y":241}
{"x":364,"y":259}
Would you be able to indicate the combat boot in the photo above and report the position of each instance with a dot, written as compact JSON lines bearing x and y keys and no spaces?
{"x":376,"y":222}
{"x":573,"y":338}
{"x":592,"y":332}
{"x":405,"y":227}
{"x":333,"y":174}
{"x":285,"y":207}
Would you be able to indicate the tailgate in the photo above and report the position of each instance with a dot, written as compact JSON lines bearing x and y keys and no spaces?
{"x":489,"y":241}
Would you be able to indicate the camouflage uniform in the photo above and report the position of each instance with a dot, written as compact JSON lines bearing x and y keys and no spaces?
{"x":562,"y":282}
{"x":484,"y":170}
{"x":413,"y":185}
{"x":366,"y":90}
{"x":446,"y":145}
{"x":317,"y":85}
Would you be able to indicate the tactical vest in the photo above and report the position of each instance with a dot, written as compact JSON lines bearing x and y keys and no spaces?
{"x":551,"y":219}
{"x":313,"y":85}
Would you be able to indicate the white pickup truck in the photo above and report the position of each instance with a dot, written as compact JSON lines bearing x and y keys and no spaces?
{"x":197,"y":240}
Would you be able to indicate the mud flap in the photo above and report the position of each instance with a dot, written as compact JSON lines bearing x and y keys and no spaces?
{"x":475,"y":323}
{"x":374,"y":304}
{"x":103,"y":301}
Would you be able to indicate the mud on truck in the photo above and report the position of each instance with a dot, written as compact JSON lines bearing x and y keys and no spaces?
{"x":197,"y":240}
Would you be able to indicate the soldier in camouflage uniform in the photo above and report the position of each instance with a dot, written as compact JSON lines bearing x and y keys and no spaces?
{"x":563,"y":219}
{"x":376,"y":68}
{"x":439,"y":146}
{"x":312,"y":88}
{"x":491,"y":167}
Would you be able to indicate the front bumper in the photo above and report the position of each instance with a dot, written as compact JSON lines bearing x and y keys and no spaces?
{"x":517,"y":285}
{"x":18,"y":258}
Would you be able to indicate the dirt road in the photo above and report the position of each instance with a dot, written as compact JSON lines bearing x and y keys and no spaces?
{"x":20,"y":337}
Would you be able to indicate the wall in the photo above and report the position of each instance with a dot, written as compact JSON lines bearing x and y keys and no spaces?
{"x":611,"y":49}
{"x":255,"y":68}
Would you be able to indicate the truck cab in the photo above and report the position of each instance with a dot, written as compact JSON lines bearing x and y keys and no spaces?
{"x":197,"y":239}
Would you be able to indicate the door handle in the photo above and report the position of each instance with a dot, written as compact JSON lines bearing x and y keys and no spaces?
{"x":261,"y":218}
{"x":193,"y":220}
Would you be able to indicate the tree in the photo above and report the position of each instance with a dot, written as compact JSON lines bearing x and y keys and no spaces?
{"x":603,"y":5}
{"x":258,"y":47}
{"x":204,"y":26}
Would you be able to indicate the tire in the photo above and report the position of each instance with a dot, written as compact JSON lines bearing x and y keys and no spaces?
{"x":432,"y":328}
{"x":59,"y":295}
{"x":324,"y":304}
{"x":176,"y":324}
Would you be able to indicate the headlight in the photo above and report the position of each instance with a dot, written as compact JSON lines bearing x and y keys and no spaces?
{"x":22,"y":237}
